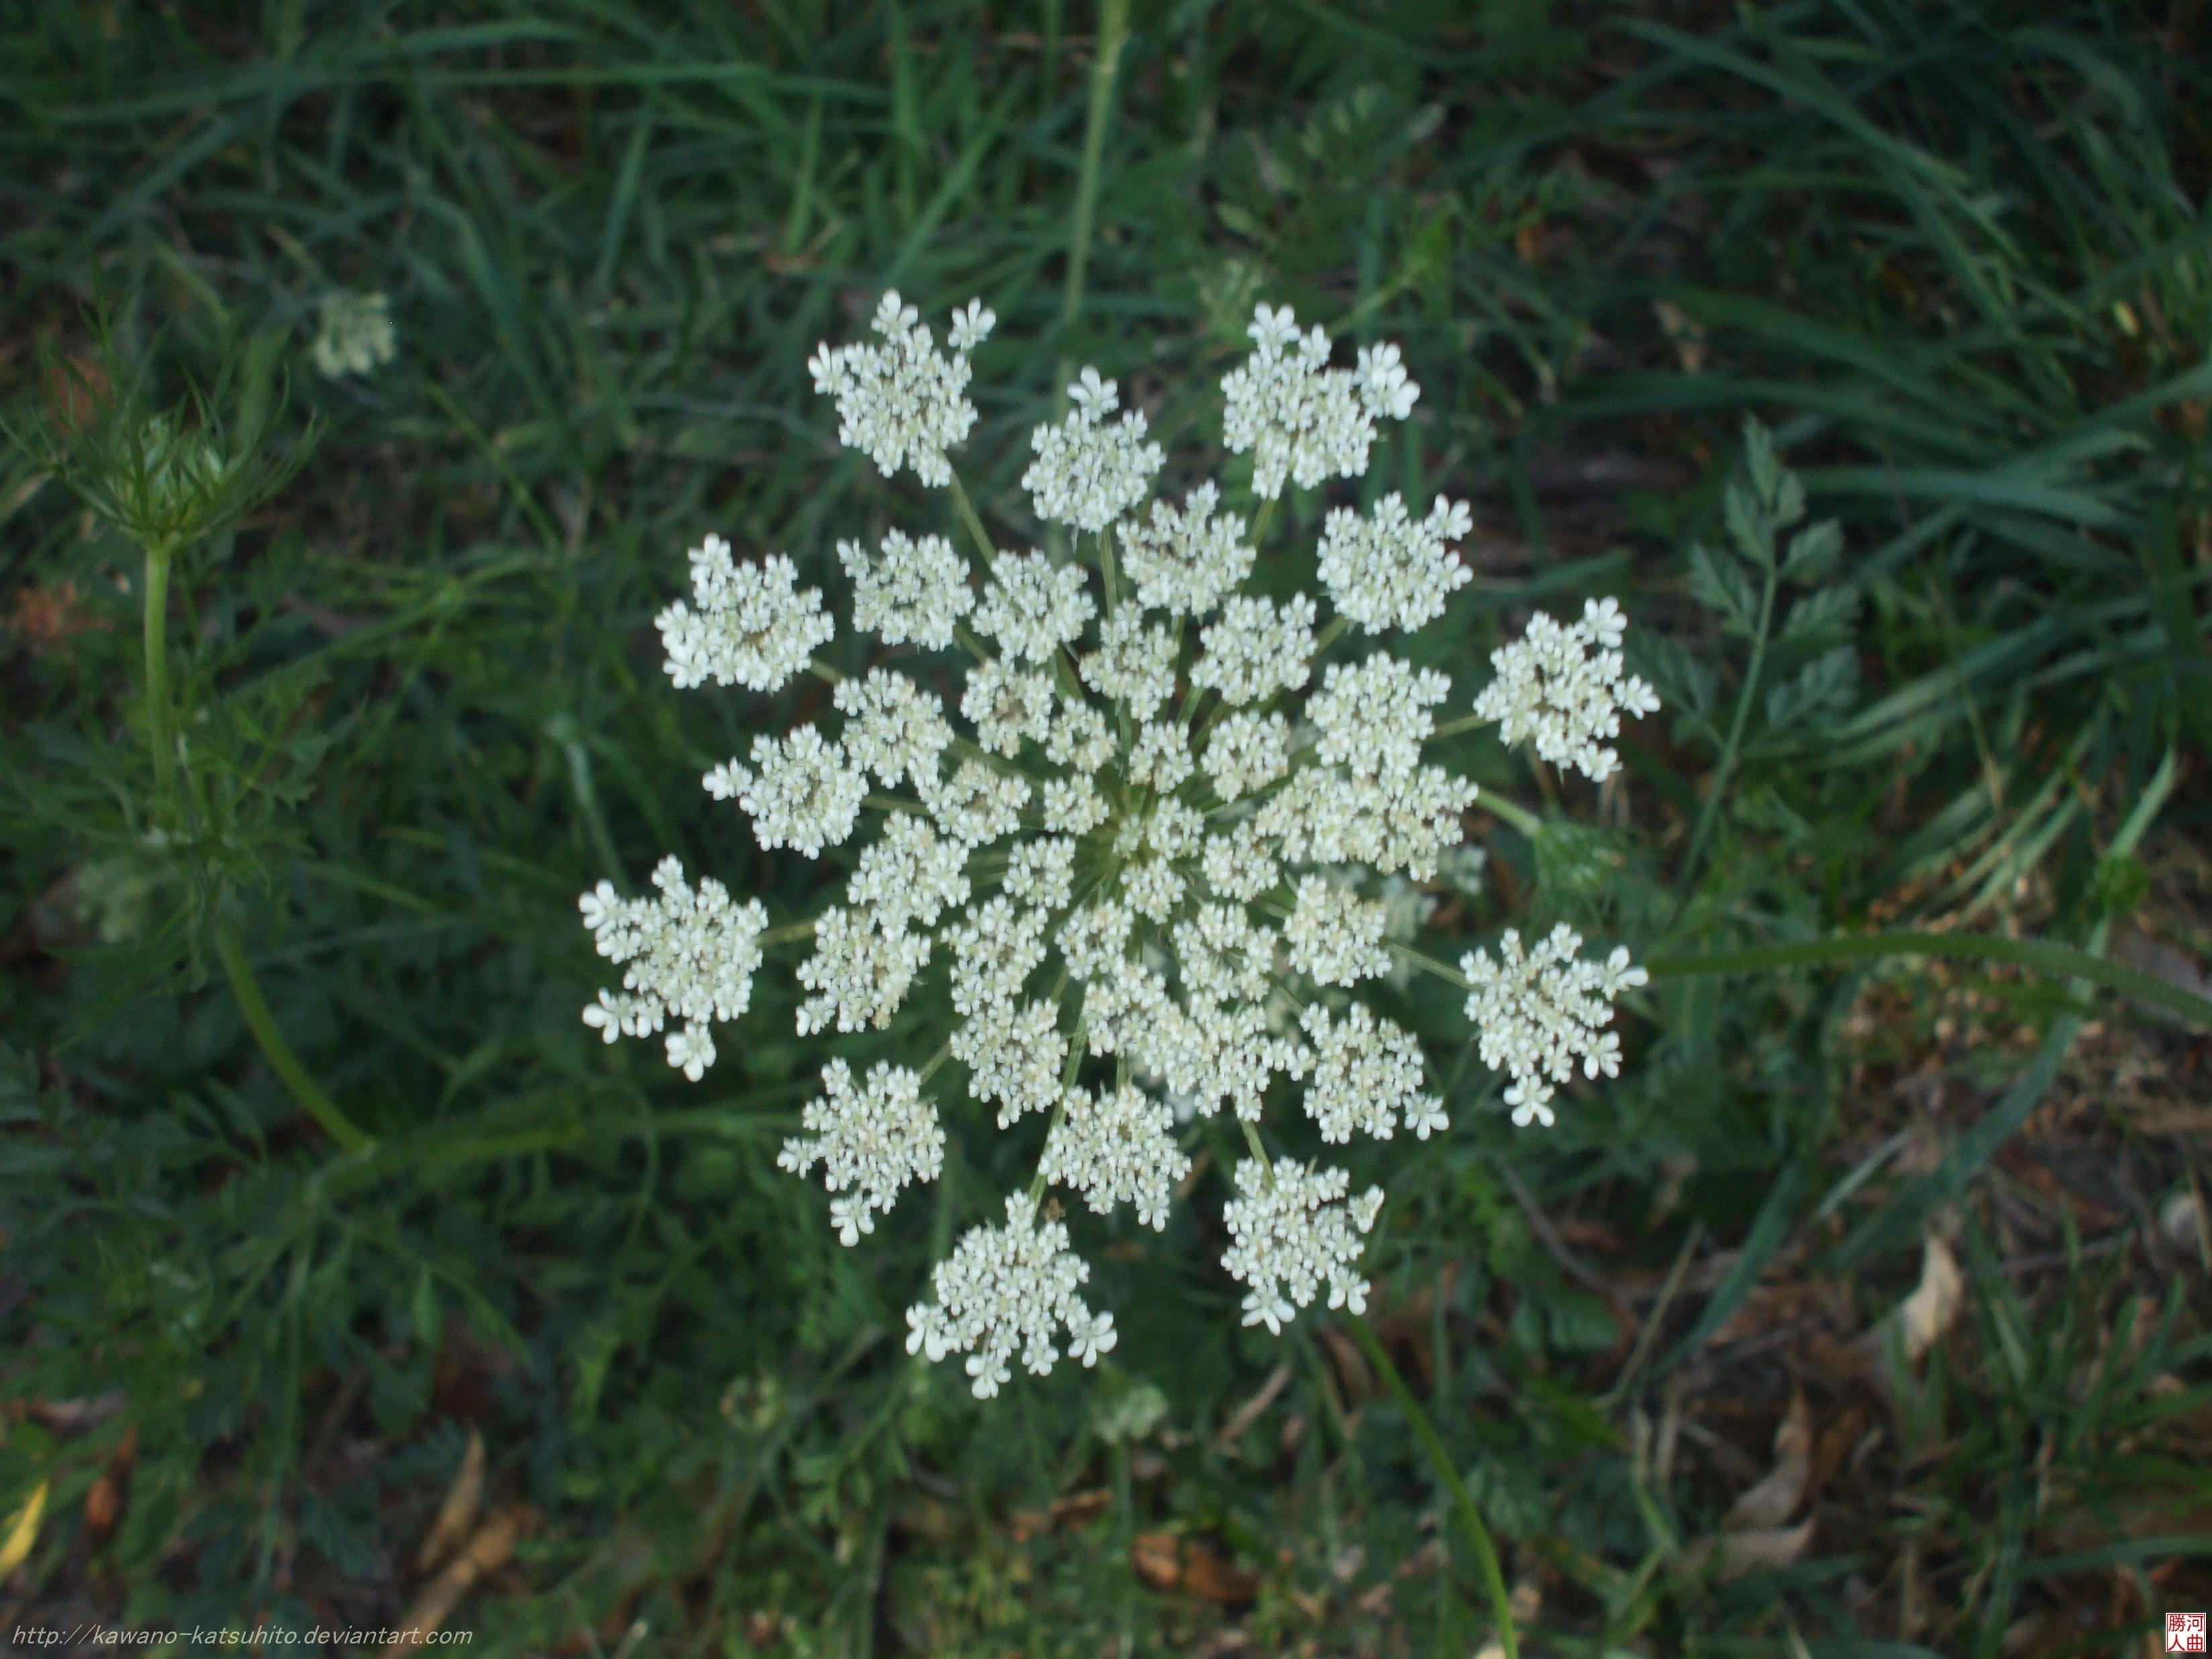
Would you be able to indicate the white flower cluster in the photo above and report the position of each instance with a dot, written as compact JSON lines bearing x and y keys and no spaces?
{"x":1367,"y":1072}
{"x":1117,"y":1149}
{"x":1008,"y":1288}
{"x":914,"y":589}
{"x":1552,"y":692}
{"x":904,"y":402}
{"x":691,"y":954}
{"x":873,"y":1141}
{"x":755,"y":626}
{"x":1088,"y":473}
{"x":1299,"y":418}
{"x":355,"y":335}
{"x":1538,"y":1013}
{"x":1388,"y":571}
{"x":1295,"y":1232}
{"x":1154,"y":832}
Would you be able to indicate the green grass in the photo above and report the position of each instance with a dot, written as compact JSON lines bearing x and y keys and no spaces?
{"x":1958,"y":259}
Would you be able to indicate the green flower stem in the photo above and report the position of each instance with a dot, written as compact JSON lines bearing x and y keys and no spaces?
{"x":252,"y":1004}
{"x":587,"y":804}
{"x":968,"y":516}
{"x":1464,"y":723}
{"x":1470,"y":1518}
{"x":1429,"y":964}
{"x":278,"y":1053}
{"x":1728,"y":751}
{"x":937,"y":1060}
{"x":823,"y":670}
{"x":1512,"y":812}
{"x":2059,"y":961}
{"x":1113,"y":35}
{"x":1059,"y":1107}
{"x":1259,"y":523}
{"x":789,"y":933}
{"x":1259,"y":1150}
{"x":158,"y":730}
{"x":974,"y":647}
{"x":1329,"y":635}
{"x":1106,"y":567}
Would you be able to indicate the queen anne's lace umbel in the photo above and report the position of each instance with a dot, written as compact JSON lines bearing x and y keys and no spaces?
{"x":691,"y":954}
{"x":1147,"y":830}
{"x":1553,"y":691}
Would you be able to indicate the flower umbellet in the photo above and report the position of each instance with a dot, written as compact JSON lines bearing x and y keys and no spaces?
{"x":1150,"y":833}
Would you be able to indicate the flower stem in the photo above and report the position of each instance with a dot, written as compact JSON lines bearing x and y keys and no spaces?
{"x":1470,"y":1518}
{"x":1113,"y":35}
{"x":1258,"y":1148}
{"x":1059,"y":1107}
{"x":2059,"y":961}
{"x":1260,"y":523}
{"x":278,"y":1053}
{"x":968,"y":516}
{"x":158,"y":730}
{"x":1729,"y":751}
{"x":974,"y":647}
{"x":1429,"y":964}
{"x":1106,"y":565}
{"x":1512,"y":812}
{"x":587,"y":804}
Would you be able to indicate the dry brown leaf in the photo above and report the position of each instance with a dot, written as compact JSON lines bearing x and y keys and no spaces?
{"x":487,"y":1552}
{"x":1933,"y":1307}
{"x":1741,"y":1553}
{"x":463,"y":1499}
{"x":1353,"y":1374}
{"x":1249,"y":1414}
{"x":1169,"y":1561}
{"x":1771,"y":1502}
{"x":1076,"y":1510}
{"x":1682,"y":331}
{"x":102,"y":1504}
{"x":21,"y":1530}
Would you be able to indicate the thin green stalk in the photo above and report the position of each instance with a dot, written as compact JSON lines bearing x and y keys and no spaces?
{"x":1106,"y":567}
{"x":161,"y":729}
{"x":2059,"y":961}
{"x":1470,"y":1518}
{"x":969,"y":517}
{"x":1075,"y":1051}
{"x":1728,"y":751}
{"x":1512,"y":812}
{"x":587,"y":804}
{"x":1429,"y":964}
{"x":1259,"y":523}
{"x":278,"y":1053}
{"x":974,"y":647}
{"x":936,"y":1060}
{"x":1259,"y":1150}
{"x":158,"y":730}
{"x":1113,"y":35}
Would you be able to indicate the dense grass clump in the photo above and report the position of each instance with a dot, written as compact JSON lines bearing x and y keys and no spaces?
{"x":367,"y":371}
